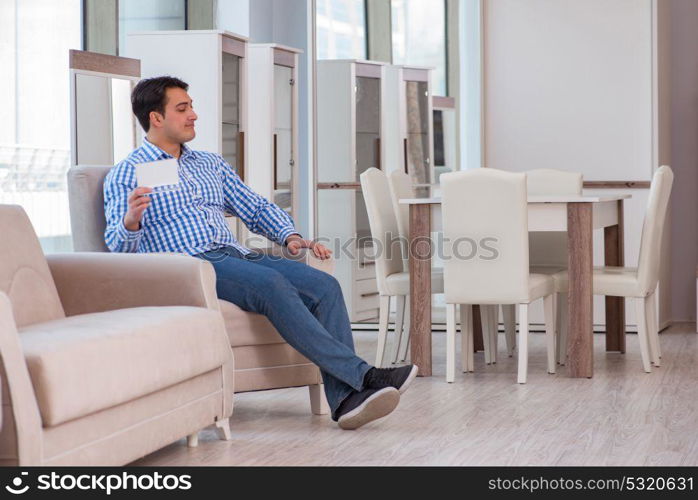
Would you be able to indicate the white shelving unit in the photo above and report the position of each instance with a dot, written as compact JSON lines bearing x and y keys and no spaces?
{"x":410,"y":145}
{"x":351,"y":126}
{"x":272,"y":123}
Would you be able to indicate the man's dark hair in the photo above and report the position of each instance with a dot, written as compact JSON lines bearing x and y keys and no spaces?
{"x":149,"y":95}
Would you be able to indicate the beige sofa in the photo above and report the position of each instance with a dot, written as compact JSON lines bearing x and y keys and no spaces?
{"x":105,"y":358}
{"x":263,"y":360}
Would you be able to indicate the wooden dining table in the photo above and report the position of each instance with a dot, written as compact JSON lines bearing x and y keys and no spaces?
{"x":578,"y":215}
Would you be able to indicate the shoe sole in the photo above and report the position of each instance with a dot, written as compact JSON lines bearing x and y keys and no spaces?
{"x":410,"y":378}
{"x":376,"y":406}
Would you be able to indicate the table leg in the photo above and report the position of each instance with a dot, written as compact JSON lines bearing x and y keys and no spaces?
{"x":580,"y":346}
{"x":615,"y":306}
{"x":420,"y":287}
{"x":478,"y":344}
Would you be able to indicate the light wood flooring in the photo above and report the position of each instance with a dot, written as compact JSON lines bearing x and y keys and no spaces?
{"x":622,"y":416}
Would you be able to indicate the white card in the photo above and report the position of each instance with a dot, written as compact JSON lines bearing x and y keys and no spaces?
{"x":157,"y":173}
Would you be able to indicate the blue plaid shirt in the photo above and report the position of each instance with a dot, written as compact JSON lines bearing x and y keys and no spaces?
{"x":190,"y":219}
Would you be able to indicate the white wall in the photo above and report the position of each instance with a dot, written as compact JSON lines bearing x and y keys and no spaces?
{"x":684,"y":153}
{"x":234,"y":15}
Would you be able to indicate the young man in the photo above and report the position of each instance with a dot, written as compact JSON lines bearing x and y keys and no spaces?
{"x":305,"y":305}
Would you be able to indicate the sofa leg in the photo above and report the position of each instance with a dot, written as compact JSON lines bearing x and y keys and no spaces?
{"x":223,"y":428}
{"x":318,"y":401}
{"x":193,"y":440}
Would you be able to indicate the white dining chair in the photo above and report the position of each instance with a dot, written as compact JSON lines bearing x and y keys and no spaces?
{"x":489,"y":206}
{"x":640,"y":283}
{"x":392,"y":276}
{"x":548,"y":251}
{"x":401,"y":187}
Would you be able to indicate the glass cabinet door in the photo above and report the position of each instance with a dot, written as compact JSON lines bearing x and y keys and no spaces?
{"x":283,"y":138}
{"x":368,"y":123}
{"x":231,"y":150}
{"x":368,"y":109}
{"x":418,"y":163}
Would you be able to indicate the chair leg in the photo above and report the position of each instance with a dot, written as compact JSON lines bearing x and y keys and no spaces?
{"x":641,"y":314}
{"x":193,"y":440}
{"x":562,"y":328}
{"x":223,"y":428}
{"x":399,"y":324}
{"x":383,"y":315}
{"x":450,"y":342}
{"x":523,"y":343}
{"x":652,"y":328}
{"x":318,"y":400}
{"x":466,"y":332}
{"x":486,"y":333}
{"x":549,"y":307}
{"x":405,"y":342}
{"x":509,"y":317}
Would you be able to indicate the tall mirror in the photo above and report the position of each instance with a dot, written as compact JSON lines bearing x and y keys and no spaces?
{"x":103,"y":128}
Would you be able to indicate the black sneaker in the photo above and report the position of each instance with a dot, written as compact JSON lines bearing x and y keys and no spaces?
{"x":360,"y":408}
{"x":400,"y":377}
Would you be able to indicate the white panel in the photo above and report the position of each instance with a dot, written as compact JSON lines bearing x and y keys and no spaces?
{"x":568,"y":84}
{"x":335,"y":127}
{"x":392,"y":138}
{"x":93,"y":120}
{"x":196,"y":59}
{"x":260,"y":119}
{"x":335,"y":227}
{"x":123,"y":121}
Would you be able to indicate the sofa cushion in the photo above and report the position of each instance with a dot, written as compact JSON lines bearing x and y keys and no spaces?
{"x":86,"y":363}
{"x":246,"y":328}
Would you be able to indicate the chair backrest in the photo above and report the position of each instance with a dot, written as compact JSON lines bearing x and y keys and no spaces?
{"x":401,"y":187}
{"x":24,"y":273}
{"x":548,"y":248}
{"x":485,"y":226}
{"x":86,"y":199}
{"x":652,"y":229}
{"x":384,"y":226}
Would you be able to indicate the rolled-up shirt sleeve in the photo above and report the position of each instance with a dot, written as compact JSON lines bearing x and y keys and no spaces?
{"x":118,"y":184}
{"x":260,"y":215}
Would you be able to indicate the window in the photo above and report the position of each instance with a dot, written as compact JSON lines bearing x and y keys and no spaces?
{"x":35,"y":37}
{"x":149,"y":15}
{"x":341,"y":29}
{"x":419,"y":37}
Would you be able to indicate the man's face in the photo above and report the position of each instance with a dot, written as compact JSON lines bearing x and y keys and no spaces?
{"x":178,"y":122}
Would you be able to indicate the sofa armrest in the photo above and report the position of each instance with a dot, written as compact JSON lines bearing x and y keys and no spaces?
{"x":21,"y":417}
{"x":95,"y":281}
{"x":305,"y":255}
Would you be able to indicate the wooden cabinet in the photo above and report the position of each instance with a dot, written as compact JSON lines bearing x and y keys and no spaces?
{"x":351,"y":129}
{"x":272,"y":123}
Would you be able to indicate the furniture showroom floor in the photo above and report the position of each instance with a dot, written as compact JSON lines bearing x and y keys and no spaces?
{"x":622,"y":416}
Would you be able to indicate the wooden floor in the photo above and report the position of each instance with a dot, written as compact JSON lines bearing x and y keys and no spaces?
{"x":622,"y":416}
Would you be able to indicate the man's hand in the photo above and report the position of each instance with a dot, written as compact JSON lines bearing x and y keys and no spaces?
{"x":138,"y":201}
{"x":294,"y":243}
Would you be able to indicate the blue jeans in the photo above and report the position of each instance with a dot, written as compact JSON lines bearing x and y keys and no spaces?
{"x":304,"y":304}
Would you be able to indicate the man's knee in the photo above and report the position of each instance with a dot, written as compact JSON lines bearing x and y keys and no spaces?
{"x":329,"y":284}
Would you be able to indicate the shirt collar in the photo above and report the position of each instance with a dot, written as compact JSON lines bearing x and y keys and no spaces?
{"x":155,"y":153}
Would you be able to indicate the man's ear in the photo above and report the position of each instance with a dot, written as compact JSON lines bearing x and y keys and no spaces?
{"x":156,"y":119}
